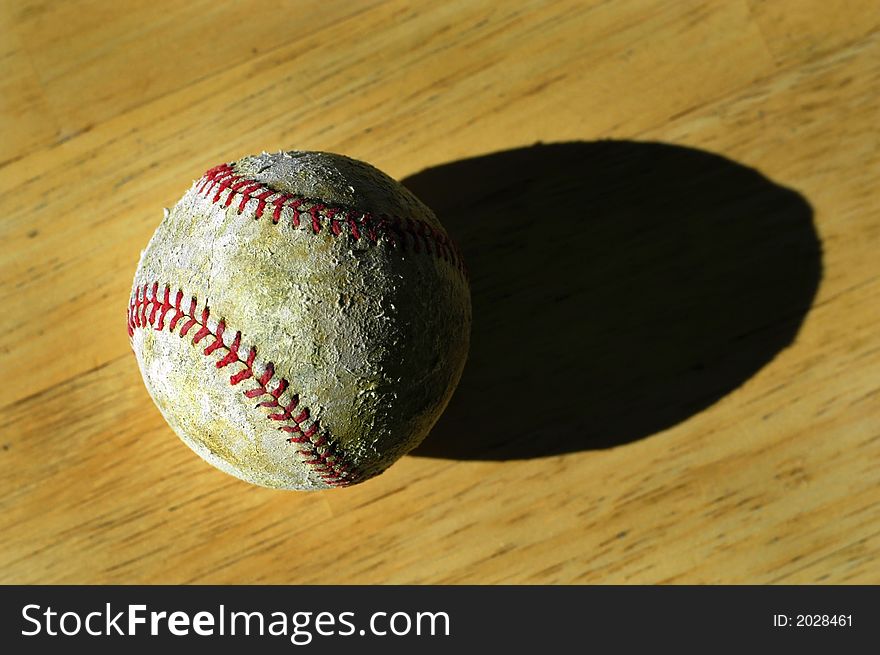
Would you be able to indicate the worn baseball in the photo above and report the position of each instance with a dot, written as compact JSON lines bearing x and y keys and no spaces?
{"x":300,"y":319}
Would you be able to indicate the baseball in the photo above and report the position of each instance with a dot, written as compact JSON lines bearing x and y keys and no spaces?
{"x":300,"y":319}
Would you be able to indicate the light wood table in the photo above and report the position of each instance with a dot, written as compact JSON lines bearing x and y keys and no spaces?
{"x":675,"y":371}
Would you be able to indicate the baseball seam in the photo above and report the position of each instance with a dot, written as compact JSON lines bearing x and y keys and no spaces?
{"x":307,"y":213}
{"x":317,"y":447}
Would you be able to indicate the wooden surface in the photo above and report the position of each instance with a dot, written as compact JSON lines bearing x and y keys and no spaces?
{"x":675,"y":374}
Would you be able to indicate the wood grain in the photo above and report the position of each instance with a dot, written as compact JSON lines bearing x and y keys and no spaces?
{"x":107,"y":112}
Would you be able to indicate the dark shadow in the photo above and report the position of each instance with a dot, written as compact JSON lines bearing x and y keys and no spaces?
{"x":618,"y":289}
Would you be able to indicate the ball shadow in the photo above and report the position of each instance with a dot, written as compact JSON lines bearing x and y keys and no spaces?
{"x":618,"y":288}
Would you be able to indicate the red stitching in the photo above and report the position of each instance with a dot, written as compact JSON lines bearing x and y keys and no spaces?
{"x":261,"y":202}
{"x":398,"y":232}
{"x":223,"y":183}
{"x":367,"y":222}
{"x":320,"y":453}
